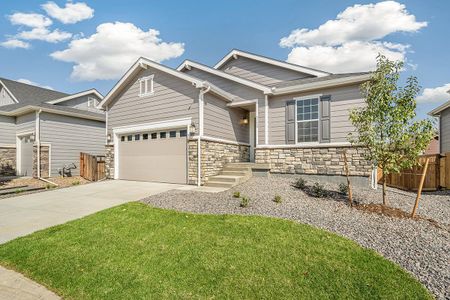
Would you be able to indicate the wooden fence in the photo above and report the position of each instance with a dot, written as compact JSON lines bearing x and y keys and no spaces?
{"x":92,"y":167}
{"x":438,"y":175}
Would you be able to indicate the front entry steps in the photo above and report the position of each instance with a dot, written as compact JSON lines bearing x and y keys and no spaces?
{"x":234,"y":174}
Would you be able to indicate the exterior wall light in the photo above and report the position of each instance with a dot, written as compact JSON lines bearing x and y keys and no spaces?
{"x":244,"y":121}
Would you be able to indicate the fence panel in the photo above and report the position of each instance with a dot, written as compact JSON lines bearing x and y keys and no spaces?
{"x":92,"y":167}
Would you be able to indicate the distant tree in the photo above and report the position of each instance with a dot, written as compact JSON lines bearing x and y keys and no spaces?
{"x":386,"y":125}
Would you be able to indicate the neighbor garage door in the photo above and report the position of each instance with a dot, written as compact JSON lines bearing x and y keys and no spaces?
{"x":154,"y":156}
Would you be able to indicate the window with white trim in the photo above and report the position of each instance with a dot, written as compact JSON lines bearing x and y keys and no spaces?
{"x":307,"y":119}
{"x":146,"y":86}
{"x":92,"y":102}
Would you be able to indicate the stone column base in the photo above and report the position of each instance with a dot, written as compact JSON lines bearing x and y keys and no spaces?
{"x":7,"y":161}
{"x":45,"y":164}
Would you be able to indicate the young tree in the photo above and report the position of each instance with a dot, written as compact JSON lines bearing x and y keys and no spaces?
{"x":385,"y":126}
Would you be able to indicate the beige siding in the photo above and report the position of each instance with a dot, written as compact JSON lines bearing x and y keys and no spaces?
{"x":445,"y":131}
{"x":261,"y":121}
{"x":68,"y":137}
{"x":7,"y":130}
{"x":26,"y":123}
{"x":260,"y":72}
{"x":173,"y":98}
{"x":343,"y":99}
{"x":5,"y":98}
{"x":230,"y":86}
{"x":81,"y":103}
{"x":222,"y":122}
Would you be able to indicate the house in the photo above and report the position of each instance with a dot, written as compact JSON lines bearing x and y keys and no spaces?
{"x":247,"y":108}
{"x":42,"y":130}
{"x":433,"y":146}
{"x":443,"y":113}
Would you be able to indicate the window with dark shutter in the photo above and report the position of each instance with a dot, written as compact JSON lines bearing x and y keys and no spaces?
{"x":325,"y":122}
{"x":290,"y":122}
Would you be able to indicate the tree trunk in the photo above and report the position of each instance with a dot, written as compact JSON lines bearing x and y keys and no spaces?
{"x":384,"y":189}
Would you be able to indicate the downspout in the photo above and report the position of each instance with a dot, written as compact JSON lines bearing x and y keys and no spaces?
{"x":200,"y":130}
{"x":38,"y":142}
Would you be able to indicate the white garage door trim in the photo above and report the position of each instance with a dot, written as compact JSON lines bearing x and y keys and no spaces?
{"x":117,"y":131}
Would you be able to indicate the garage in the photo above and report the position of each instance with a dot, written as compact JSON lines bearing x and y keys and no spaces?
{"x":159,"y":156}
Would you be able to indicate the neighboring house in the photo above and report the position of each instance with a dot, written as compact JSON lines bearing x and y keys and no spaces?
{"x":59,"y":125}
{"x":433,"y":146}
{"x":246,"y":108}
{"x":443,"y":113}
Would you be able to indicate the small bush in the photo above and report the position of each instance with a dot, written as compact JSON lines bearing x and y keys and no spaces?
{"x":237,"y":194}
{"x":244,"y":202}
{"x":318,"y":191}
{"x":18,"y":191}
{"x":277,"y":199}
{"x":76,"y":182}
{"x":300,"y":184}
{"x":343,"y":188}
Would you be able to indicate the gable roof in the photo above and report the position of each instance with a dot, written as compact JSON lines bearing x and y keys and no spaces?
{"x":73,"y":96}
{"x":25,"y":94}
{"x":189,"y":63}
{"x":236,"y":53}
{"x":143,"y":63}
{"x":437,"y":111}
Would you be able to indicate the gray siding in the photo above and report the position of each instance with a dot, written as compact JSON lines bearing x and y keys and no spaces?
{"x":68,"y":137}
{"x":445,"y":131}
{"x":26,"y":123}
{"x":7,"y":130}
{"x":230,"y":86}
{"x":260,"y":72}
{"x":343,"y":99}
{"x":5,"y":98}
{"x":173,"y":98}
{"x":222,"y":122}
{"x":81,"y":103}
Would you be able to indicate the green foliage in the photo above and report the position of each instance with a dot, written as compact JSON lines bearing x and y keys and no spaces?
{"x":318,"y":191}
{"x":18,"y":191}
{"x":343,"y":188}
{"x":49,"y":186}
{"x":300,"y":184}
{"x":244,"y":202}
{"x":277,"y":199}
{"x":76,"y":182}
{"x":386,"y":126}
{"x":237,"y":194}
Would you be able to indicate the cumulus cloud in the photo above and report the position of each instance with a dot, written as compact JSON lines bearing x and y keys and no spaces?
{"x":352,"y":41}
{"x":26,"y":81}
{"x":44,"y":34}
{"x":109,"y":52}
{"x":70,"y":14}
{"x":14,"y":43}
{"x":30,"y":20}
{"x":435,"y":95}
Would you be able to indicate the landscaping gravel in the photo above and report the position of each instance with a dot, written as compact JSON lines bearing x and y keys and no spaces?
{"x":420,"y":246}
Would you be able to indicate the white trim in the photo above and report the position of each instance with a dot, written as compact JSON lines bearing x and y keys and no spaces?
{"x":252,"y":123}
{"x":236,"y":53}
{"x":257,"y":124}
{"x":19,"y":149}
{"x":80,"y":94}
{"x":38,"y":140}
{"x":307,"y":145}
{"x":153,"y":126}
{"x":435,"y":112}
{"x":31,"y":108}
{"x":242,"y":103}
{"x":188,"y":64}
{"x":9,"y":92}
{"x":266,"y":119}
{"x":321,"y":84}
{"x":146,"y":80}
{"x":219,"y":140}
{"x":106,"y":126}
{"x":25,"y":133}
{"x":319,"y":107}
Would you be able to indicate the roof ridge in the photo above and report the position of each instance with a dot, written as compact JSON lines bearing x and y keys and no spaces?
{"x":32,"y":85}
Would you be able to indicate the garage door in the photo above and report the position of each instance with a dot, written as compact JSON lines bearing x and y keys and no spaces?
{"x":154,"y":156}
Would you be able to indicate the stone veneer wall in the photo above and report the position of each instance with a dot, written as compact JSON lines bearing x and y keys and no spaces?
{"x":45,"y":164}
{"x":109,"y":161}
{"x":324,"y":161}
{"x":7,"y":161}
{"x":214,"y":157}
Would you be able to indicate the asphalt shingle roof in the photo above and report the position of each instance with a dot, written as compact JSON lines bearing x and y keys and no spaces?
{"x":316,"y":79}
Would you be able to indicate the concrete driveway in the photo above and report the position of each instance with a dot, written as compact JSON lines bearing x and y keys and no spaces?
{"x":25,"y":214}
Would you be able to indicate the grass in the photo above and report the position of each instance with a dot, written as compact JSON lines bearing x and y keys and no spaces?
{"x":134,"y":251}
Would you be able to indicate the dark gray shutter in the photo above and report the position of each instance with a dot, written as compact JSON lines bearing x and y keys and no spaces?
{"x":290,"y":122}
{"x":325,"y":123}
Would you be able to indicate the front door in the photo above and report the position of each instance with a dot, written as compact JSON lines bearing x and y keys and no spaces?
{"x":252,"y":133}
{"x":26,"y":155}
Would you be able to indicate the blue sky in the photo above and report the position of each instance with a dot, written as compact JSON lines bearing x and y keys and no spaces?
{"x":206,"y":30}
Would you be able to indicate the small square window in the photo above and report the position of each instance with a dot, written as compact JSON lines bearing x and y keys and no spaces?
{"x":146,"y":85}
{"x":122,"y":138}
{"x":92,"y":102}
{"x":137,"y":137}
{"x":154,"y":136}
{"x":183,"y":133}
{"x":129,"y":138}
{"x":145,"y":136}
{"x":162,"y":135}
{"x":173,"y":134}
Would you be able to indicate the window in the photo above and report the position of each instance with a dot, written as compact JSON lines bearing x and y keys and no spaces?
{"x":137,"y":137}
{"x":308,"y":120}
{"x":154,"y":136}
{"x":173,"y":134}
{"x":162,"y":135}
{"x":92,"y":102}
{"x":145,"y":136}
{"x":146,"y":86}
{"x":122,"y":138}
{"x":183,"y":133}
{"x":129,"y":138}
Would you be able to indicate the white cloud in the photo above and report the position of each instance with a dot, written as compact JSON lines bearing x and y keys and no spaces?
{"x":71,"y":13}
{"x":26,"y":81}
{"x":14,"y":43}
{"x":109,"y":52}
{"x":435,"y":95}
{"x":44,"y":34}
{"x":352,"y":41}
{"x":30,"y":20}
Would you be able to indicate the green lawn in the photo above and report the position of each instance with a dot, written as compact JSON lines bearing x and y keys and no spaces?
{"x":134,"y":251}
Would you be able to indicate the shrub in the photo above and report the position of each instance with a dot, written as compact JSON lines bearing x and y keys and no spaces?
{"x":318,"y":191}
{"x":277,"y":199}
{"x":300,"y":183}
{"x":76,"y":182}
{"x":237,"y":194}
{"x":343,"y":188}
{"x":244,"y":202}
{"x":18,"y":191}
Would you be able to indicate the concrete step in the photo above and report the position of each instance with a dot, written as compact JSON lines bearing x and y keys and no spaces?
{"x":237,"y":168}
{"x":234,"y":173}
{"x":224,"y":178}
{"x":220,"y":184}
